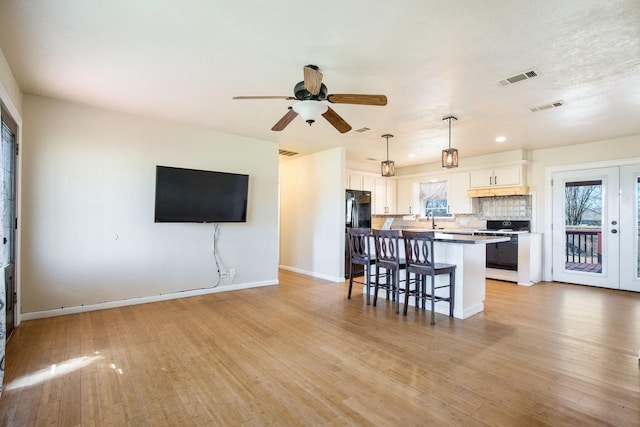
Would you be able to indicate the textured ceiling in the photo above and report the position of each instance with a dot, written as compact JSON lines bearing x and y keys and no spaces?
{"x":184,"y":61}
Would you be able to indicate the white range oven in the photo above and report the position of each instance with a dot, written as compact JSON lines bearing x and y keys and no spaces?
{"x":502,"y":258}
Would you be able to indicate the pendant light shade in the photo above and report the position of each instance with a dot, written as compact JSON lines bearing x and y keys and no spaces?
{"x":450,"y":155}
{"x":310,"y":110}
{"x":388,"y":167}
{"x":450,"y":158}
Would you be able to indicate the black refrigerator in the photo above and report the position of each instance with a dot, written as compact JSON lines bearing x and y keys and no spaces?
{"x":357,"y":215}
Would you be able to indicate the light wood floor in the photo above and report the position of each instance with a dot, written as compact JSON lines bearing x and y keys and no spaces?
{"x":302,"y":354}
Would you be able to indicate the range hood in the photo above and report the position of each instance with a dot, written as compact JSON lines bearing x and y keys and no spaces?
{"x":514,"y":190}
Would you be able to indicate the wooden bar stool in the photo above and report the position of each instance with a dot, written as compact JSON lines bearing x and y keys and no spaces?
{"x":421,"y":262}
{"x":360,"y":254}
{"x":388,"y":258}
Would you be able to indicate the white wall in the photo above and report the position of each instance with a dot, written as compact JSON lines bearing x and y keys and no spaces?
{"x":312,"y":200}
{"x":88,"y":183}
{"x":10,"y":94}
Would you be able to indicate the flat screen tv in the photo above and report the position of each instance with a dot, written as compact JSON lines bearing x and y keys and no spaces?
{"x":191,"y":195}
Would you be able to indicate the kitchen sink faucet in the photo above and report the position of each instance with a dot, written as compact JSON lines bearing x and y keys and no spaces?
{"x":433,"y":219}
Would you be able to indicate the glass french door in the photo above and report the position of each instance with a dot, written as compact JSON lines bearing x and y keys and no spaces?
{"x":8,"y":131}
{"x":595,"y":227}
{"x":629,"y":222}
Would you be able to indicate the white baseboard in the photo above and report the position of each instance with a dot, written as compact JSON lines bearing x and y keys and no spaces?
{"x":313,"y":274}
{"x":141,"y":300}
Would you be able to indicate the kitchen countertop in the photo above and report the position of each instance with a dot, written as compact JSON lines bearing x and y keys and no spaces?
{"x":465,"y":238}
{"x":453,"y":237}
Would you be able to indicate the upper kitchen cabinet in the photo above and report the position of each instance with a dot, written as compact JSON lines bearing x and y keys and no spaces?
{"x":508,"y":175}
{"x":499,"y":181}
{"x":406,"y":196}
{"x":356,"y":181}
{"x":384,"y":196}
{"x":457,"y":197}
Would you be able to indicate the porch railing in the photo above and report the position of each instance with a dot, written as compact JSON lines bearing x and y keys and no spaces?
{"x":583,"y":246}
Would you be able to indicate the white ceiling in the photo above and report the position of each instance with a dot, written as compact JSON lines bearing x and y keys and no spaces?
{"x":184,"y":61}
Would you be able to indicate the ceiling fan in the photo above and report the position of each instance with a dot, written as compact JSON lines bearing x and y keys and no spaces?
{"x":311,"y":93}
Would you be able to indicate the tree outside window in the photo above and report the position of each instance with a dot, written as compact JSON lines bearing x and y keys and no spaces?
{"x":583,"y":203}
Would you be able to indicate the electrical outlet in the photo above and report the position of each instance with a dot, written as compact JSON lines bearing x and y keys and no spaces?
{"x":232,"y":272}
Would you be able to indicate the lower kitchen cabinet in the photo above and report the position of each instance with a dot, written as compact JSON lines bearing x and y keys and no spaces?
{"x":529,"y":258}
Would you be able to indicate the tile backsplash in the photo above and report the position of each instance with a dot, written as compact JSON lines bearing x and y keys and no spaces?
{"x":505,"y":207}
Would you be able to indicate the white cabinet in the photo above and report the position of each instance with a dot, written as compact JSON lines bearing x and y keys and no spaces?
{"x":384,"y":196}
{"x":503,"y":176}
{"x":457,"y":198}
{"x":356,"y":181}
{"x":405,"y":197}
{"x":368,"y":183}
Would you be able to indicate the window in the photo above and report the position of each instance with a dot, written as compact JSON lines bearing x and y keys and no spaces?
{"x":433,"y":198}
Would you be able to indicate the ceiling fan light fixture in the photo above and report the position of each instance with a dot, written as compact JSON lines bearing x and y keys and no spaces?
{"x":388,"y":167}
{"x":310,"y":110}
{"x":450,"y":155}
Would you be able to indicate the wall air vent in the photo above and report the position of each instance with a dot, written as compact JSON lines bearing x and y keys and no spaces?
{"x":526,"y":75}
{"x":547,"y":106}
{"x":288,"y":153}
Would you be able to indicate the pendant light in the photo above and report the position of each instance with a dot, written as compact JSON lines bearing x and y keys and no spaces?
{"x":388,"y":168}
{"x":450,"y":155}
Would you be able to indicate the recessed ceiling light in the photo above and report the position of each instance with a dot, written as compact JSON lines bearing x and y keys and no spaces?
{"x":412,"y":155}
{"x":501,"y":139}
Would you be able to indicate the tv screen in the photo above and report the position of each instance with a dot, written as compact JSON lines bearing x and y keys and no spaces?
{"x":190,"y":195}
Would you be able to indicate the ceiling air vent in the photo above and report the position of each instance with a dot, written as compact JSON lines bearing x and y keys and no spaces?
{"x":527,"y":75}
{"x":547,"y":106}
{"x":362,"y":129}
{"x":288,"y":153}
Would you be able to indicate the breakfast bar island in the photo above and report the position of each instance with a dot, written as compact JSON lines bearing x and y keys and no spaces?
{"x":468,"y":254}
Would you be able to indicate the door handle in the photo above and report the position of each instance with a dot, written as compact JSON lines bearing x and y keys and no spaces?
{"x":614,"y":231}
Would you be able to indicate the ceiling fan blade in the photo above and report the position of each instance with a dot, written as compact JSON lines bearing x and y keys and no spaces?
{"x":312,"y":79}
{"x":348,"y":98}
{"x":337,"y":121}
{"x":263,"y":97}
{"x":285,"y":120}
